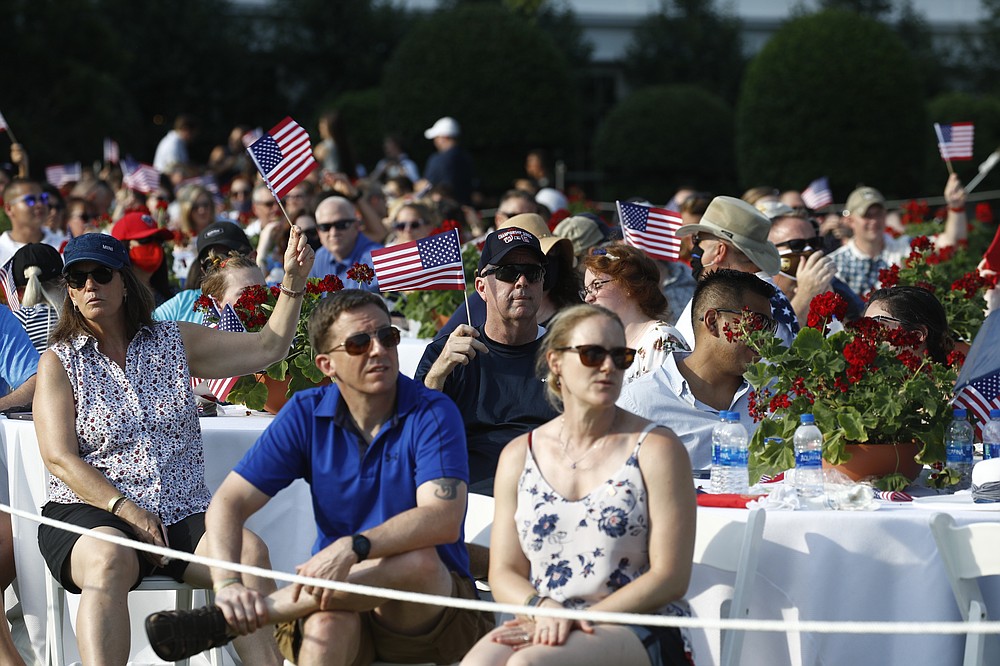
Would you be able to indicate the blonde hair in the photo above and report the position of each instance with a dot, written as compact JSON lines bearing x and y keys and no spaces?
{"x":36,"y":293}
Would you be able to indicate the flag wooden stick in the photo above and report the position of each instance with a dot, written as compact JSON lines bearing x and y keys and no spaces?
{"x":944,"y":153}
{"x":984,"y":169}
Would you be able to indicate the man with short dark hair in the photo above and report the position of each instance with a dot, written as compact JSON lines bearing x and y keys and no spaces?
{"x":172,"y":151}
{"x":385,"y":459}
{"x":690,"y":389}
{"x":27,"y":207}
{"x":489,"y":371}
{"x":512,"y":204}
{"x":343,"y":243}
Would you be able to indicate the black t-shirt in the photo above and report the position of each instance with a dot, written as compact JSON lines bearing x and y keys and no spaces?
{"x":498,"y":395}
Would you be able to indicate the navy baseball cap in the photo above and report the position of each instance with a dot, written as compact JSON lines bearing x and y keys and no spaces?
{"x":503,"y":241}
{"x":102,"y":248}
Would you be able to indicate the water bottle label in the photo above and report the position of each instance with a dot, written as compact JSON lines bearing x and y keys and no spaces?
{"x":716,"y":449}
{"x":809,"y":459}
{"x":732,"y":457}
{"x":959,"y":452}
{"x":991,"y":451}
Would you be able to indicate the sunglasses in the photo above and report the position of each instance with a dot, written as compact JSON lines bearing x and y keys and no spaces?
{"x":78,"y":279}
{"x":886,"y":320}
{"x":265,"y":204}
{"x":513,"y":272}
{"x":360,"y":343}
{"x":201,"y":204}
{"x":339,"y":225}
{"x":408,"y":226}
{"x":86,"y":217}
{"x":239,"y":193}
{"x":802,"y":244}
{"x":592,"y":356}
{"x":758,"y":320}
{"x":31,"y":200}
{"x":592,"y":288}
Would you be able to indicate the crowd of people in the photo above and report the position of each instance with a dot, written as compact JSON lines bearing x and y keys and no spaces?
{"x":579,"y":387}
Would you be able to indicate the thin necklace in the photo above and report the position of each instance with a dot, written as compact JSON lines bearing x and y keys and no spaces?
{"x":593,"y":446}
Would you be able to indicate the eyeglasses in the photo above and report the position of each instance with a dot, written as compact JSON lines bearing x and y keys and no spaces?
{"x":239,"y":193}
{"x":265,"y":204}
{"x":886,"y":320}
{"x":339,"y":225}
{"x":78,"y":279}
{"x":83,"y":215}
{"x":802,"y":244}
{"x":409,"y":226}
{"x":31,"y":200}
{"x":360,"y":343}
{"x":758,"y":320}
{"x":512,"y":272}
{"x":592,"y":356}
{"x":592,"y":288}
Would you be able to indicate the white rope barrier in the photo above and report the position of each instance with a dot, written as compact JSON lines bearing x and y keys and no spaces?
{"x":777,"y":626}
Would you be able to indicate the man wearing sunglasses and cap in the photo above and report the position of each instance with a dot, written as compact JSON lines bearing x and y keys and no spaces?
{"x":489,"y":371}
{"x":387,"y":466}
{"x":733,"y":234}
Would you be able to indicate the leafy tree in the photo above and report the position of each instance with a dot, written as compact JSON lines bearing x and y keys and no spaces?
{"x":687,"y":41}
{"x":984,"y":111}
{"x":519,"y":94}
{"x":662,"y":137}
{"x":833,"y":93}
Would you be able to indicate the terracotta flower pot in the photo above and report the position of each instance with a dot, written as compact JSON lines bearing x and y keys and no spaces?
{"x":880,"y":460}
{"x":277,"y":390}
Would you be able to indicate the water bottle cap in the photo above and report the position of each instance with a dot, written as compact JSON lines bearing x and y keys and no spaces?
{"x":734,"y":417}
{"x":995,"y":413}
{"x":807,"y":418}
{"x":959,"y":413}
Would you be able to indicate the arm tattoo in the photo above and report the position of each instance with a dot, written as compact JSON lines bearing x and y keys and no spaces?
{"x":447,"y":488}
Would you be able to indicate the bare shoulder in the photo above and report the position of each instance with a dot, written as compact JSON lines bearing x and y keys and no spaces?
{"x":661,"y":446}
{"x":513,"y":454}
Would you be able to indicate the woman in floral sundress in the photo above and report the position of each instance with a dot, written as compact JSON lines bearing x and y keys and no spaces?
{"x":594,"y":509}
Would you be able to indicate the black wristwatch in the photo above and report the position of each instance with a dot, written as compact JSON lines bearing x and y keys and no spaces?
{"x":361,"y":546}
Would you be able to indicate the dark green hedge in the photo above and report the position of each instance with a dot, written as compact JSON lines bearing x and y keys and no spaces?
{"x":833,"y":94}
{"x":665,"y":136}
{"x":984,"y":111}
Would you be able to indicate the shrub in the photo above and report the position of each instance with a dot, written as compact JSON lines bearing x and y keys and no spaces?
{"x":662,"y":137}
{"x":833,"y":94}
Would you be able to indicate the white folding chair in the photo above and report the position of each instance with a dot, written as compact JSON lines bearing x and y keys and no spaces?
{"x":734,"y":550}
{"x":968,"y":553}
{"x":56,"y":594}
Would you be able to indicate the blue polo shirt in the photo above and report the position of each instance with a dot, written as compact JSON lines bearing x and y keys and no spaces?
{"x":312,"y":438}
{"x":18,"y":358}
{"x":326,"y":264}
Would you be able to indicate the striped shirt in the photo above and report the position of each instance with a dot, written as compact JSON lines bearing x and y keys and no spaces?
{"x":38,"y":321}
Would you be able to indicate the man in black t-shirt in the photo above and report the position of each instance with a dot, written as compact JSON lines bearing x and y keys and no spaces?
{"x":489,"y":371}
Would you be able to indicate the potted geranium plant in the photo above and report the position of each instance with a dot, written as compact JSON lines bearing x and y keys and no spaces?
{"x":864,"y":382}
{"x":297,"y":370}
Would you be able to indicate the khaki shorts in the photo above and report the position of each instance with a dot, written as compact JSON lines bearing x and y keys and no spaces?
{"x":455,"y":633}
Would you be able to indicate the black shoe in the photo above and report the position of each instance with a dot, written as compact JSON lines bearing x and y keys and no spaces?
{"x":179,"y":634}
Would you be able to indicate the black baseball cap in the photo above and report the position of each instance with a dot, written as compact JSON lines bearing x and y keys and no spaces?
{"x":499,"y":243}
{"x":226,"y":234}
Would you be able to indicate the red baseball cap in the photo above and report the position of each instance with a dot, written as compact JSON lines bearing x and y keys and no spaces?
{"x":138,"y":226}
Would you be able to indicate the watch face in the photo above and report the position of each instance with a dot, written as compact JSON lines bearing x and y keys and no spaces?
{"x":361,"y":546}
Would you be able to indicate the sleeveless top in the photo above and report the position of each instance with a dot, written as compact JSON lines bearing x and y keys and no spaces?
{"x":581,"y":551}
{"x":138,"y":426}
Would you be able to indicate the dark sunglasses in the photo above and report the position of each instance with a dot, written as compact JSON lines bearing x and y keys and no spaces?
{"x":78,"y":279}
{"x":31,"y":200}
{"x":339,"y":225}
{"x":360,"y":343}
{"x":512,"y":272}
{"x":802,"y":244}
{"x":86,"y":217}
{"x":408,"y":226}
{"x":593,"y":356}
{"x":758,"y":320}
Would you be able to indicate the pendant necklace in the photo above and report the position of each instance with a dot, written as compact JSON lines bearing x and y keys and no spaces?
{"x":562,"y":442}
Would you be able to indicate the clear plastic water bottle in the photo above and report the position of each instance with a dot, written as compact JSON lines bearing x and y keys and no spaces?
{"x":734,"y":454}
{"x":808,"y":458}
{"x":717,"y":482}
{"x":958,"y":443}
{"x":991,"y":436}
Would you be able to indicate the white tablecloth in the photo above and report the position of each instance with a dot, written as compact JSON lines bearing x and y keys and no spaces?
{"x":286,"y":523}
{"x":879,"y":566}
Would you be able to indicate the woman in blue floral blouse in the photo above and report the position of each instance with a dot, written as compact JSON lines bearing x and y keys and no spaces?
{"x":580,"y":521}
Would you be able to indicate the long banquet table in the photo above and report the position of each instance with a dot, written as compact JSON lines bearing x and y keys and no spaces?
{"x":879,"y":565}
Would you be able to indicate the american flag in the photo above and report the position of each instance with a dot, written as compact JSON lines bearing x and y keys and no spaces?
{"x":955,"y":140}
{"x":8,"y":286}
{"x":111,"y":154}
{"x":783,"y":313}
{"x":977,"y":388}
{"x":434,"y":262}
{"x":60,"y":174}
{"x":207,"y":181}
{"x":3,"y":123}
{"x":249,"y":137}
{"x":818,"y":194}
{"x":219,"y":389}
{"x":283,"y":156}
{"x":140,"y":177}
{"x":651,"y":229}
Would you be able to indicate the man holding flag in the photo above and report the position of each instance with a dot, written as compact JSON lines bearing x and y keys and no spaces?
{"x":489,"y":371}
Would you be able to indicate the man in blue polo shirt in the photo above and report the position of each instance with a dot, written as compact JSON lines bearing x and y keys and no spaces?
{"x":387,"y":464}
{"x":343,"y":243}
{"x":18,"y":363}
